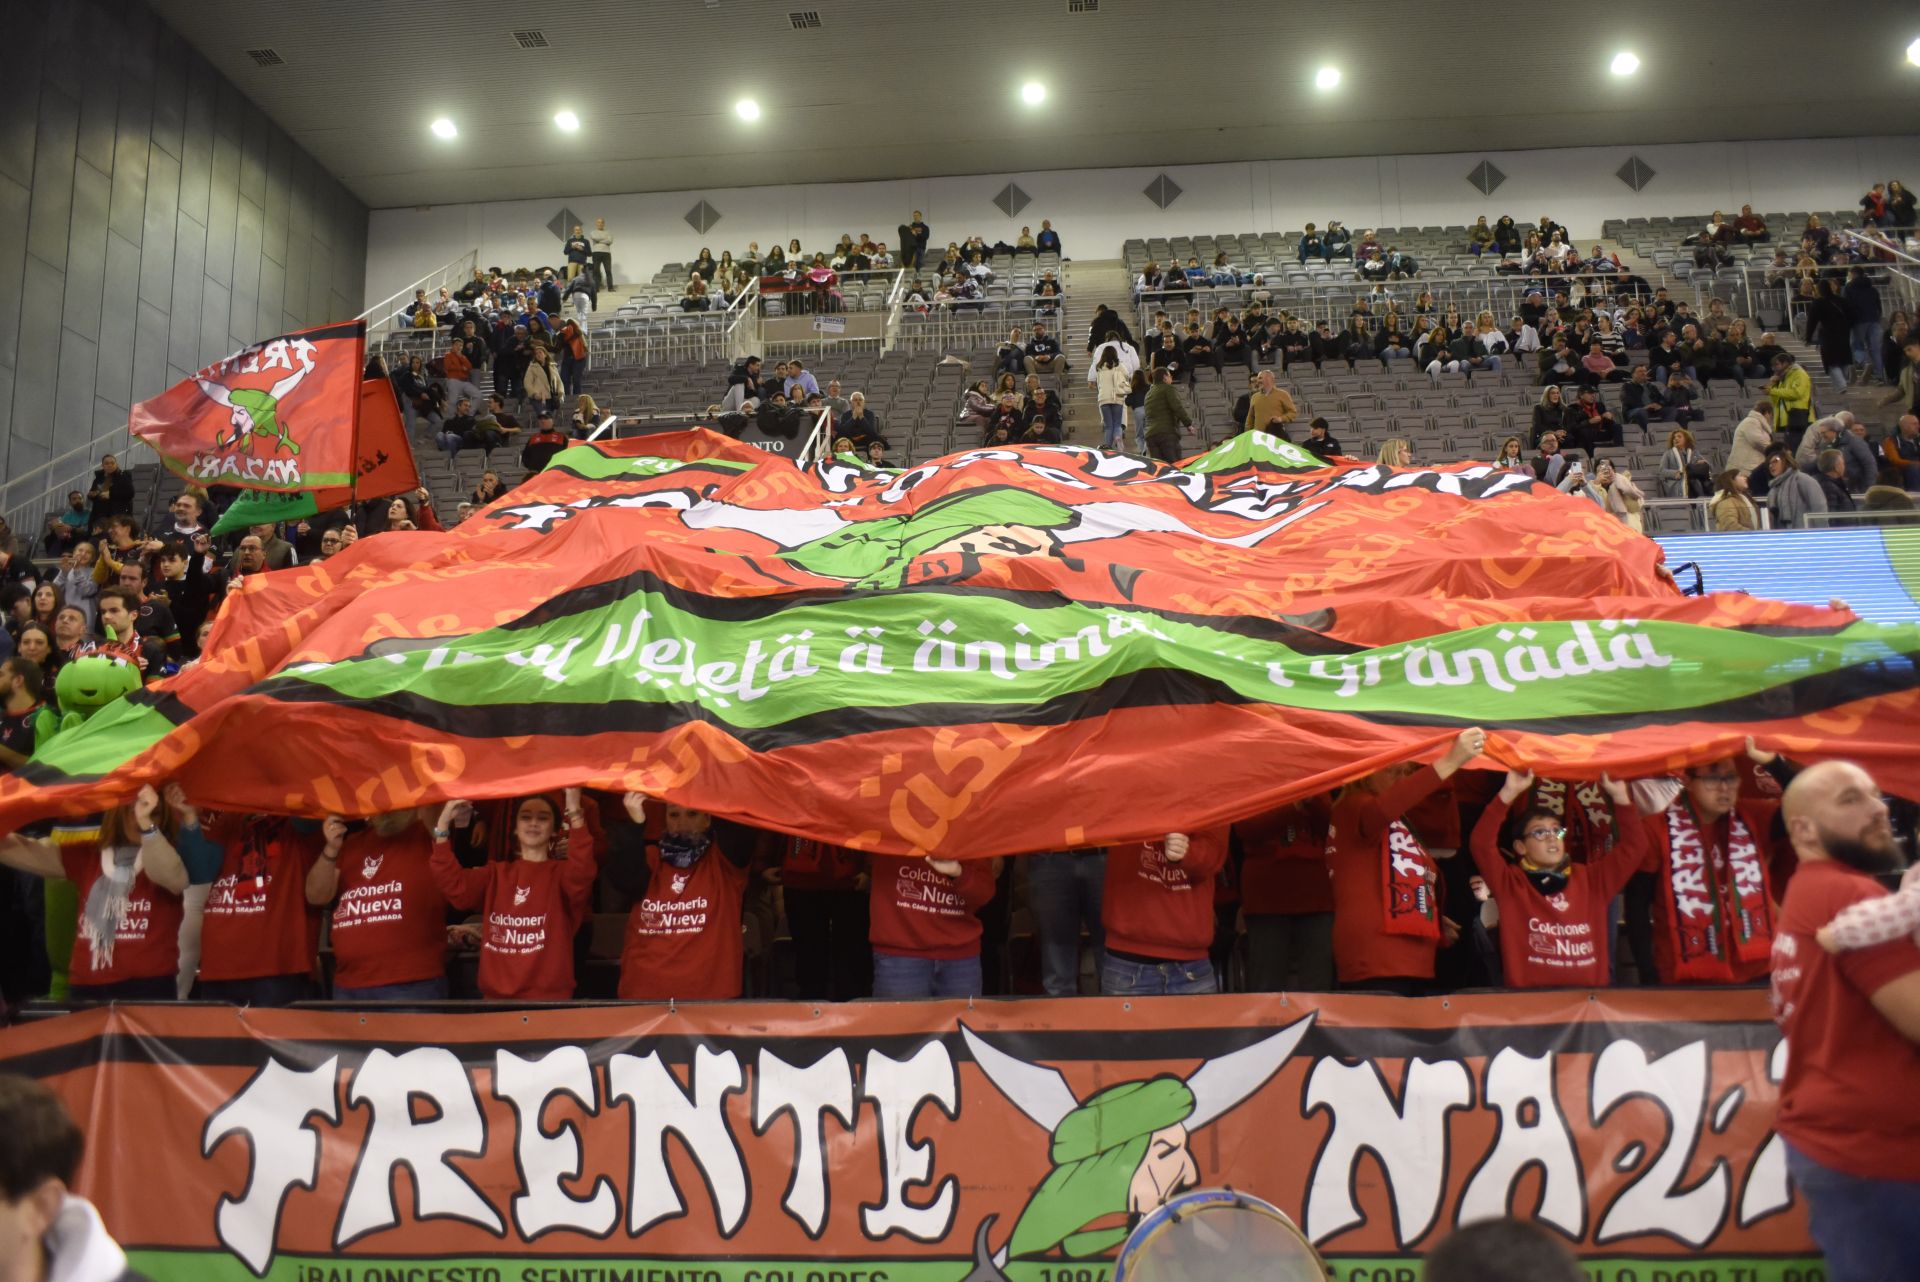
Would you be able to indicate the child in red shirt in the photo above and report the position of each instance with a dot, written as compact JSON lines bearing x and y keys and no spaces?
{"x":683,"y":935}
{"x":532,"y":902}
{"x":1553,"y":912}
{"x":925,"y":936}
{"x":1157,"y":911}
{"x":389,"y":925}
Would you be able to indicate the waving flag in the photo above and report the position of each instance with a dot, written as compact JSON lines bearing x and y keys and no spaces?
{"x":384,"y":466}
{"x":278,"y":415}
{"x":1002,"y":650}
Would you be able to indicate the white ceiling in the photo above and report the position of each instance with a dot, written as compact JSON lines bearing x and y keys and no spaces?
{"x":907,"y":88}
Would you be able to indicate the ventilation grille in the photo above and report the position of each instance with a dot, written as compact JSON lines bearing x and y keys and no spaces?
{"x":804,"y":19}
{"x":1083,"y":6}
{"x":266,"y":58}
{"x":531,"y":39}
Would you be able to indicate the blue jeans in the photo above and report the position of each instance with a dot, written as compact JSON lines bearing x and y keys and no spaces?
{"x":1064,"y":892}
{"x":418,"y":990}
{"x":1122,"y":978}
{"x":1113,"y":425}
{"x":1867,"y":337}
{"x":898,"y":978}
{"x":1867,"y":1229}
{"x":1140,"y":429}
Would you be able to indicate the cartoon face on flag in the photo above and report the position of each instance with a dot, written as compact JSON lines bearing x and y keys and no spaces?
{"x":980,"y":655}
{"x":280,"y":414}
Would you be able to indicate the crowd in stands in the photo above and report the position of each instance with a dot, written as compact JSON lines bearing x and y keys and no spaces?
{"x":553,"y":896}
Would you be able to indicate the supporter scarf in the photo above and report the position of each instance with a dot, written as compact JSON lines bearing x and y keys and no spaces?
{"x":683,"y":850}
{"x":107,"y":901}
{"x":1590,"y":829}
{"x":1719,"y":913}
{"x":1409,"y":885}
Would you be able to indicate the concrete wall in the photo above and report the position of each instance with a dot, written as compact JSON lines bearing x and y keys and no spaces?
{"x":152,"y":220}
{"x":1095,"y":210}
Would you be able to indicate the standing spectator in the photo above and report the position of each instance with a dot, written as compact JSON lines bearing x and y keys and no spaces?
{"x":258,"y":934}
{"x":688,"y":888}
{"x":603,"y":252}
{"x":1064,"y":894}
{"x":1269,"y":404}
{"x":1167,"y":415}
{"x":532,"y":902}
{"x":1791,"y":493}
{"x":1900,"y":207}
{"x":111,"y":493}
{"x":1850,"y":1100}
{"x":1862,"y":302}
{"x":914,"y":236}
{"x":1156,"y":912}
{"x":925,"y":927}
{"x":389,"y":920}
{"x":1752,"y":437}
{"x":1137,"y":406}
{"x":543,"y":381}
{"x":1791,"y":391}
{"x":1831,"y":323}
{"x":1287,"y":898}
{"x":824,"y":890}
{"x":1387,"y":923}
{"x":1112,"y":383}
{"x":1553,"y":912}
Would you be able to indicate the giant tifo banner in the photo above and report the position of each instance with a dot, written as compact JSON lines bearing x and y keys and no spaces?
{"x":984,"y":655}
{"x":922,"y":1142}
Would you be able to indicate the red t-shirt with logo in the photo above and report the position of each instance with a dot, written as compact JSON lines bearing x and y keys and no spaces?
{"x":257,"y":920}
{"x":916,"y":911}
{"x":146,"y":939}
{"x":389,"y":917}
{"x":1851,"y":1096}
{"x":1557,"y":940}
{"x":530,"y":913}
{"x":1153,"y":907}
{"x":1356,"y":853}
{"x":1285,"y":869}
{"x":683,"y":935}
{"x":806,"y":864}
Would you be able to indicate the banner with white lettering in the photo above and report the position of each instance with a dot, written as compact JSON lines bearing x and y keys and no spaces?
{"x":921,"y":1142}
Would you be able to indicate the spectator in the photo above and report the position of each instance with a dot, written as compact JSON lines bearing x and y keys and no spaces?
{"x":1043,"y":422}
{"x":800,"y":381}
{"x":1502,"y":1250}
{"x":1137,"y":395}
{"x":1752,"y":437}
{"x":1900,"y":207}
{"x":545,"y":442}
{"x":1010,"y":357}
{"x":1791,"y":392}
{"x":1640,"y":401}
{"x":532,"y":902}
{"x":1830,"y":471}
{"x":1268,"y":404}
{"x":1167,"y":415}
{"x":1479,"y":237}
{"x":68,"y":527}
{"x":1901,"y":449}
{"x":1286,"y":899}
{"x":1862,"y":303}
{"x":1387,"y":923}
{"x":1321,"y":442}
{"x":1850,"y":1101}
{"x":1749,"y":228}
{"x":1511,"y":457}
{"x":1549,"y":412}
{"x":1311,"y":245}
{"x":925,"y":927}
{"x":1048,"y":241}
{"x":1112,"y":383}
{"x":1619,"y":495}
{"x":542,"y":380}
{"x":1791,"y":493}
{"x":1683,"y":473}
{"x":1156,"y":915}
{"x":1830,"y":321}
{"x":111,"y":492}
{"x":688,"y":887}
{"x":1589,"y":423}
{"x":603,"y":252}
{"x":860,"y":425}
{"x":388,"y":931}
{"x":1043,"y":352}
{"x":51,"y":1234}
{"x":74,"y":579}
{"x":1732,"y":509}
{"x":1395,"y":452}
{"x":1549,"y":463}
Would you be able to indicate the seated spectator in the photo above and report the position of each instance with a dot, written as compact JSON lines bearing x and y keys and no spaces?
{"x":1043,"y":424}
{"x":1732,"y":507}
{"x":545,"y":442}
{"x":1830,"y":471}
{"x":860,"y":425}
{"x":1008,"y":423}
{"x":1549,"y":413}
{"x":1048,"y":241}
{"x":1589,"y":423}
{"x":1549,"y":464}
{"x":1479,"y":237}
{"x":1011,"y":355}
{"x":1597,"y":367}
{"x":1311,"y":245}
{"x":1791,"y":493}
{"x":1749,"y":228}
{"x":1321,"y":441}
{"x":1337,"y":241}
{"x":1046,"y":293}
{"x":977,"y":408}
{"x":1901,"y":450}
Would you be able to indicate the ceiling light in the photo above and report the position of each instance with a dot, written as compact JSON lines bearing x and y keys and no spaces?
{"x":567,"y":121}
{"x":1033,"y":93}
{"x":1913,"y":53}
{"x":1625,"y":64}
{"x":443,"y":128}
{"x":747,"y":109}
{"x":1327,"y":78}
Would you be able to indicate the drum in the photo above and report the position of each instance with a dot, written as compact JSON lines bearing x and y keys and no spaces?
{"x":1218,"y":1233}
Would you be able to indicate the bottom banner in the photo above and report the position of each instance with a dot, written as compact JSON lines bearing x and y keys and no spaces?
{"x":922,"y":1142}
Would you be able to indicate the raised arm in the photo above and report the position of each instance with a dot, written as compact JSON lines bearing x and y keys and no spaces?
{"x":34,"y":855}
{"x":464,"y":888}
{"x":323,"y":879}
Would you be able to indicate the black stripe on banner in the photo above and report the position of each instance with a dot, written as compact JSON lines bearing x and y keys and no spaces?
{"x":1110,"y":1045}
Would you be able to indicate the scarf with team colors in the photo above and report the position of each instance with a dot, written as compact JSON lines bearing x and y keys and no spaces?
{"x":1720,"y":912}
{"x":1410,"y":876}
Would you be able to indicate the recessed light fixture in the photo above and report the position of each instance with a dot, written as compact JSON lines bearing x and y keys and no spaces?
{"x":567,"y":121}
{"x":1033,"y":93}
{"x":443,"y":128}
{"x":747,"y":109}
{"x":1327,"y":78}
{"x":1913,"y":53}
{"x":1625,"y":63}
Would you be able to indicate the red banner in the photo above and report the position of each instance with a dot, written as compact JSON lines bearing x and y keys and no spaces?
{"x":277,"y":415}
{"x":922,"y":1141}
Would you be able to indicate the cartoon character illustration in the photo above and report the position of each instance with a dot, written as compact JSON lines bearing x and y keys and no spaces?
{"x":255,"y":413}
{"x":1118,"y":1154}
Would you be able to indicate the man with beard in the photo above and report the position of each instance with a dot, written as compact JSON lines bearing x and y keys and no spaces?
{"x":1850,"y":1101}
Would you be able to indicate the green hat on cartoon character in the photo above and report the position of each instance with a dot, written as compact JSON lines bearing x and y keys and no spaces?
{"x":879,"y":553}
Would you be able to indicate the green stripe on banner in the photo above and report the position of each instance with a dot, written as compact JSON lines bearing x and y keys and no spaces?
{"x":589,"y":464}
{"x":263,"y":507}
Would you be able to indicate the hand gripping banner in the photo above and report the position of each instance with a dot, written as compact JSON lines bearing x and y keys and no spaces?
{"x":999,"y":651}
{"x":922,"y":1142}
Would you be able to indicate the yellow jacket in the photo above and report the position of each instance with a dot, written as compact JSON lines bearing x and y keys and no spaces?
{"x":1792,"y":390}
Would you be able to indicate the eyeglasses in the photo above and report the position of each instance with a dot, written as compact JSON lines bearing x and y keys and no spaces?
{"x":1718,"y":781}
{"x":1545,"y":834}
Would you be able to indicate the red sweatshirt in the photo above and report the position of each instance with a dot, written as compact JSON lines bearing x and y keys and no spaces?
{"x":532,"y":910}
{"x":1356,"y":853}
{"x":258,"y":922}
{"x":1285,"y":870}
{"x":146,"y":939}
{"x":389,"y":917}
{"x":1549,"y":941}
{"x":915,"y":911}
{"x":1152,"y":907}
{"x":683,"y":935}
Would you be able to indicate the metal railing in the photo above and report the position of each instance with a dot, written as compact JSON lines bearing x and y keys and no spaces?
{"x":29,"y":498}
{"x":976,"y":324}
{"x":816,"y":446}
{"x":890,"y":328}
{"x":1332,"y":301}
{"x":452,"y":276}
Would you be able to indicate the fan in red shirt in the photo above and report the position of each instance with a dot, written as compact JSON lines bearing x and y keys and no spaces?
{"x":1711,"y":849}
{"x":923,"y":927}
{"x":1287,"y":898}
{"x":532,"y":903}
{"x":389,"y":927}
{"x":259,"y":937}
{"x":1156,"y":910}
{"x":683,"y":935}
{"x":824,"y":889}
{"x":1553,"y":912}
{"x":1850,"y":1100}
{"x":1387,"y":923}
